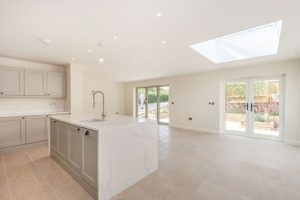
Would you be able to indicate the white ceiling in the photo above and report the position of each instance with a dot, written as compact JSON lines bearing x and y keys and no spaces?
{"x":74,"y":26}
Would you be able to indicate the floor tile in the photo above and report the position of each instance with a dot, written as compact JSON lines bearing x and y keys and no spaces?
{"x":192,"y":166}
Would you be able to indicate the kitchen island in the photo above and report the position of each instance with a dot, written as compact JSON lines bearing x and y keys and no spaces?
{"x":104,"y":157}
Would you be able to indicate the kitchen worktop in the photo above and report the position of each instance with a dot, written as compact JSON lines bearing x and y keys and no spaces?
{"x":109,"y":122}
{"x":29,"y":113}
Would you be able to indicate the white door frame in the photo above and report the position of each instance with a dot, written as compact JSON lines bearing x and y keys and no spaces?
{"x":146,"y":102}
{"x":249,"y":125}
{"x":223,"y":106}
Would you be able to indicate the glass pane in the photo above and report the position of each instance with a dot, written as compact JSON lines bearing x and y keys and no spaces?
{"x":266,"y":97}
{"x":152,"y":102}
{"x":235,"y":106}
{"x":141,"y":102}
{"x":164,"y":104}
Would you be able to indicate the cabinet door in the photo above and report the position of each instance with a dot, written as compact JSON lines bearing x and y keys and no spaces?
{"x":35,"y":83}
{"x":90,"y":157}
{"x":63,"y":141}
{"x":11,"y":81}
{"x":75,"y":148}
{"x":56,"y":84}
{"x":53,"y":137}
{"x":12,"y":131}
{"x":36,"y":128}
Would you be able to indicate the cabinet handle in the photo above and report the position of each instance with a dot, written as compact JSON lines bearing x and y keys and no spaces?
{"x":87,"y":133}
{"x":48,"y":94}
{"x":45,"y":94}
{"x":54,"y":121}
{"x":23,"y":117}
{"x":1,"y":92}
{"x":78,"y":129}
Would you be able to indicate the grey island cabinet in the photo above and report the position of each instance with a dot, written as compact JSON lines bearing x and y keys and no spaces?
{"x":105,"y":156}
{"x":75,"y":149}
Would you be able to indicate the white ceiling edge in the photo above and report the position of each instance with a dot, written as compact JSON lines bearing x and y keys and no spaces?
{"x":23,"y":63}
{"x":296,"y":61}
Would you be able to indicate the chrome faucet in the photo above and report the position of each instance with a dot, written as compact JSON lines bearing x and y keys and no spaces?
{"x":94,"y":102}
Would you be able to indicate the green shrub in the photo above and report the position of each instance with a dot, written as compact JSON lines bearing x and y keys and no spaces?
{"x":152,"y":97}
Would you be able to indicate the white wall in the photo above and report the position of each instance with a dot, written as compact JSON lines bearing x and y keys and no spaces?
{"x":80,"y":84}
{"x":114,"y":95}
{"x":75,"y":79}
{"x":28,"y":104}
{"x":191,"y":94}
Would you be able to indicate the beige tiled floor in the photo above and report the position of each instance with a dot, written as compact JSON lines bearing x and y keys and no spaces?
{"x":28,"y":173}
{"x":195,"y":166}
{"x":192,"y":166}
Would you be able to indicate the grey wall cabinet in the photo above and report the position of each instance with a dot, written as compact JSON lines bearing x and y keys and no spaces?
{"x":35,"y":83}
{"x":32,"y":83}
{"x":56,"y":84}
{"x":11,"y":81}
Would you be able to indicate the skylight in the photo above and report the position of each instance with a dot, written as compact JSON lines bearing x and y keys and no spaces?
{"x":251,"y":43}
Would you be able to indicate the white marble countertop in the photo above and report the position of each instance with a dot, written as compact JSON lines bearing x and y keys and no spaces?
{"x":28,"y":113}
{"x":110,"y":121}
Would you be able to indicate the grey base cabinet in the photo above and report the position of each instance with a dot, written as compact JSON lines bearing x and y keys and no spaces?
{"x":75,"y":149}
{"x":12,"y":131}
{"x":22,"y":130}
{"x":36,"y":128}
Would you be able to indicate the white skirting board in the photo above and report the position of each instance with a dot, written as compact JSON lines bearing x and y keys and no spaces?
{"x":190,"y":128}
{"x":292,"y":142}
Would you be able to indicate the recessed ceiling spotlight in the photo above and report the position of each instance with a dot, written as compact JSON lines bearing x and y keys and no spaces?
{"x":72,"y":59}
{"x":158,"y":14}
{"x":163,"y":42}
{"x":133,"y":60}
{"x":115,"y":37}
{"x":89,"y":50}
{"x":293,"y":55}
{"x":101,"y":60}
{"x":46,"y":40}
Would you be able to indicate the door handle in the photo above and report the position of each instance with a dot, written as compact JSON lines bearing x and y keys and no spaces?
{"x":247,"y":106}
{"x":87,"y":133}
{"x":251,"y":107}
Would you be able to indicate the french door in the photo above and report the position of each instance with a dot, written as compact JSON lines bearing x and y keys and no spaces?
{"x":254,"y":107}
{"x":153,"y":103}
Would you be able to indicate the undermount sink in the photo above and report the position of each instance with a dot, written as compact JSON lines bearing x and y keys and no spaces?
{"x":94,"y":120}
